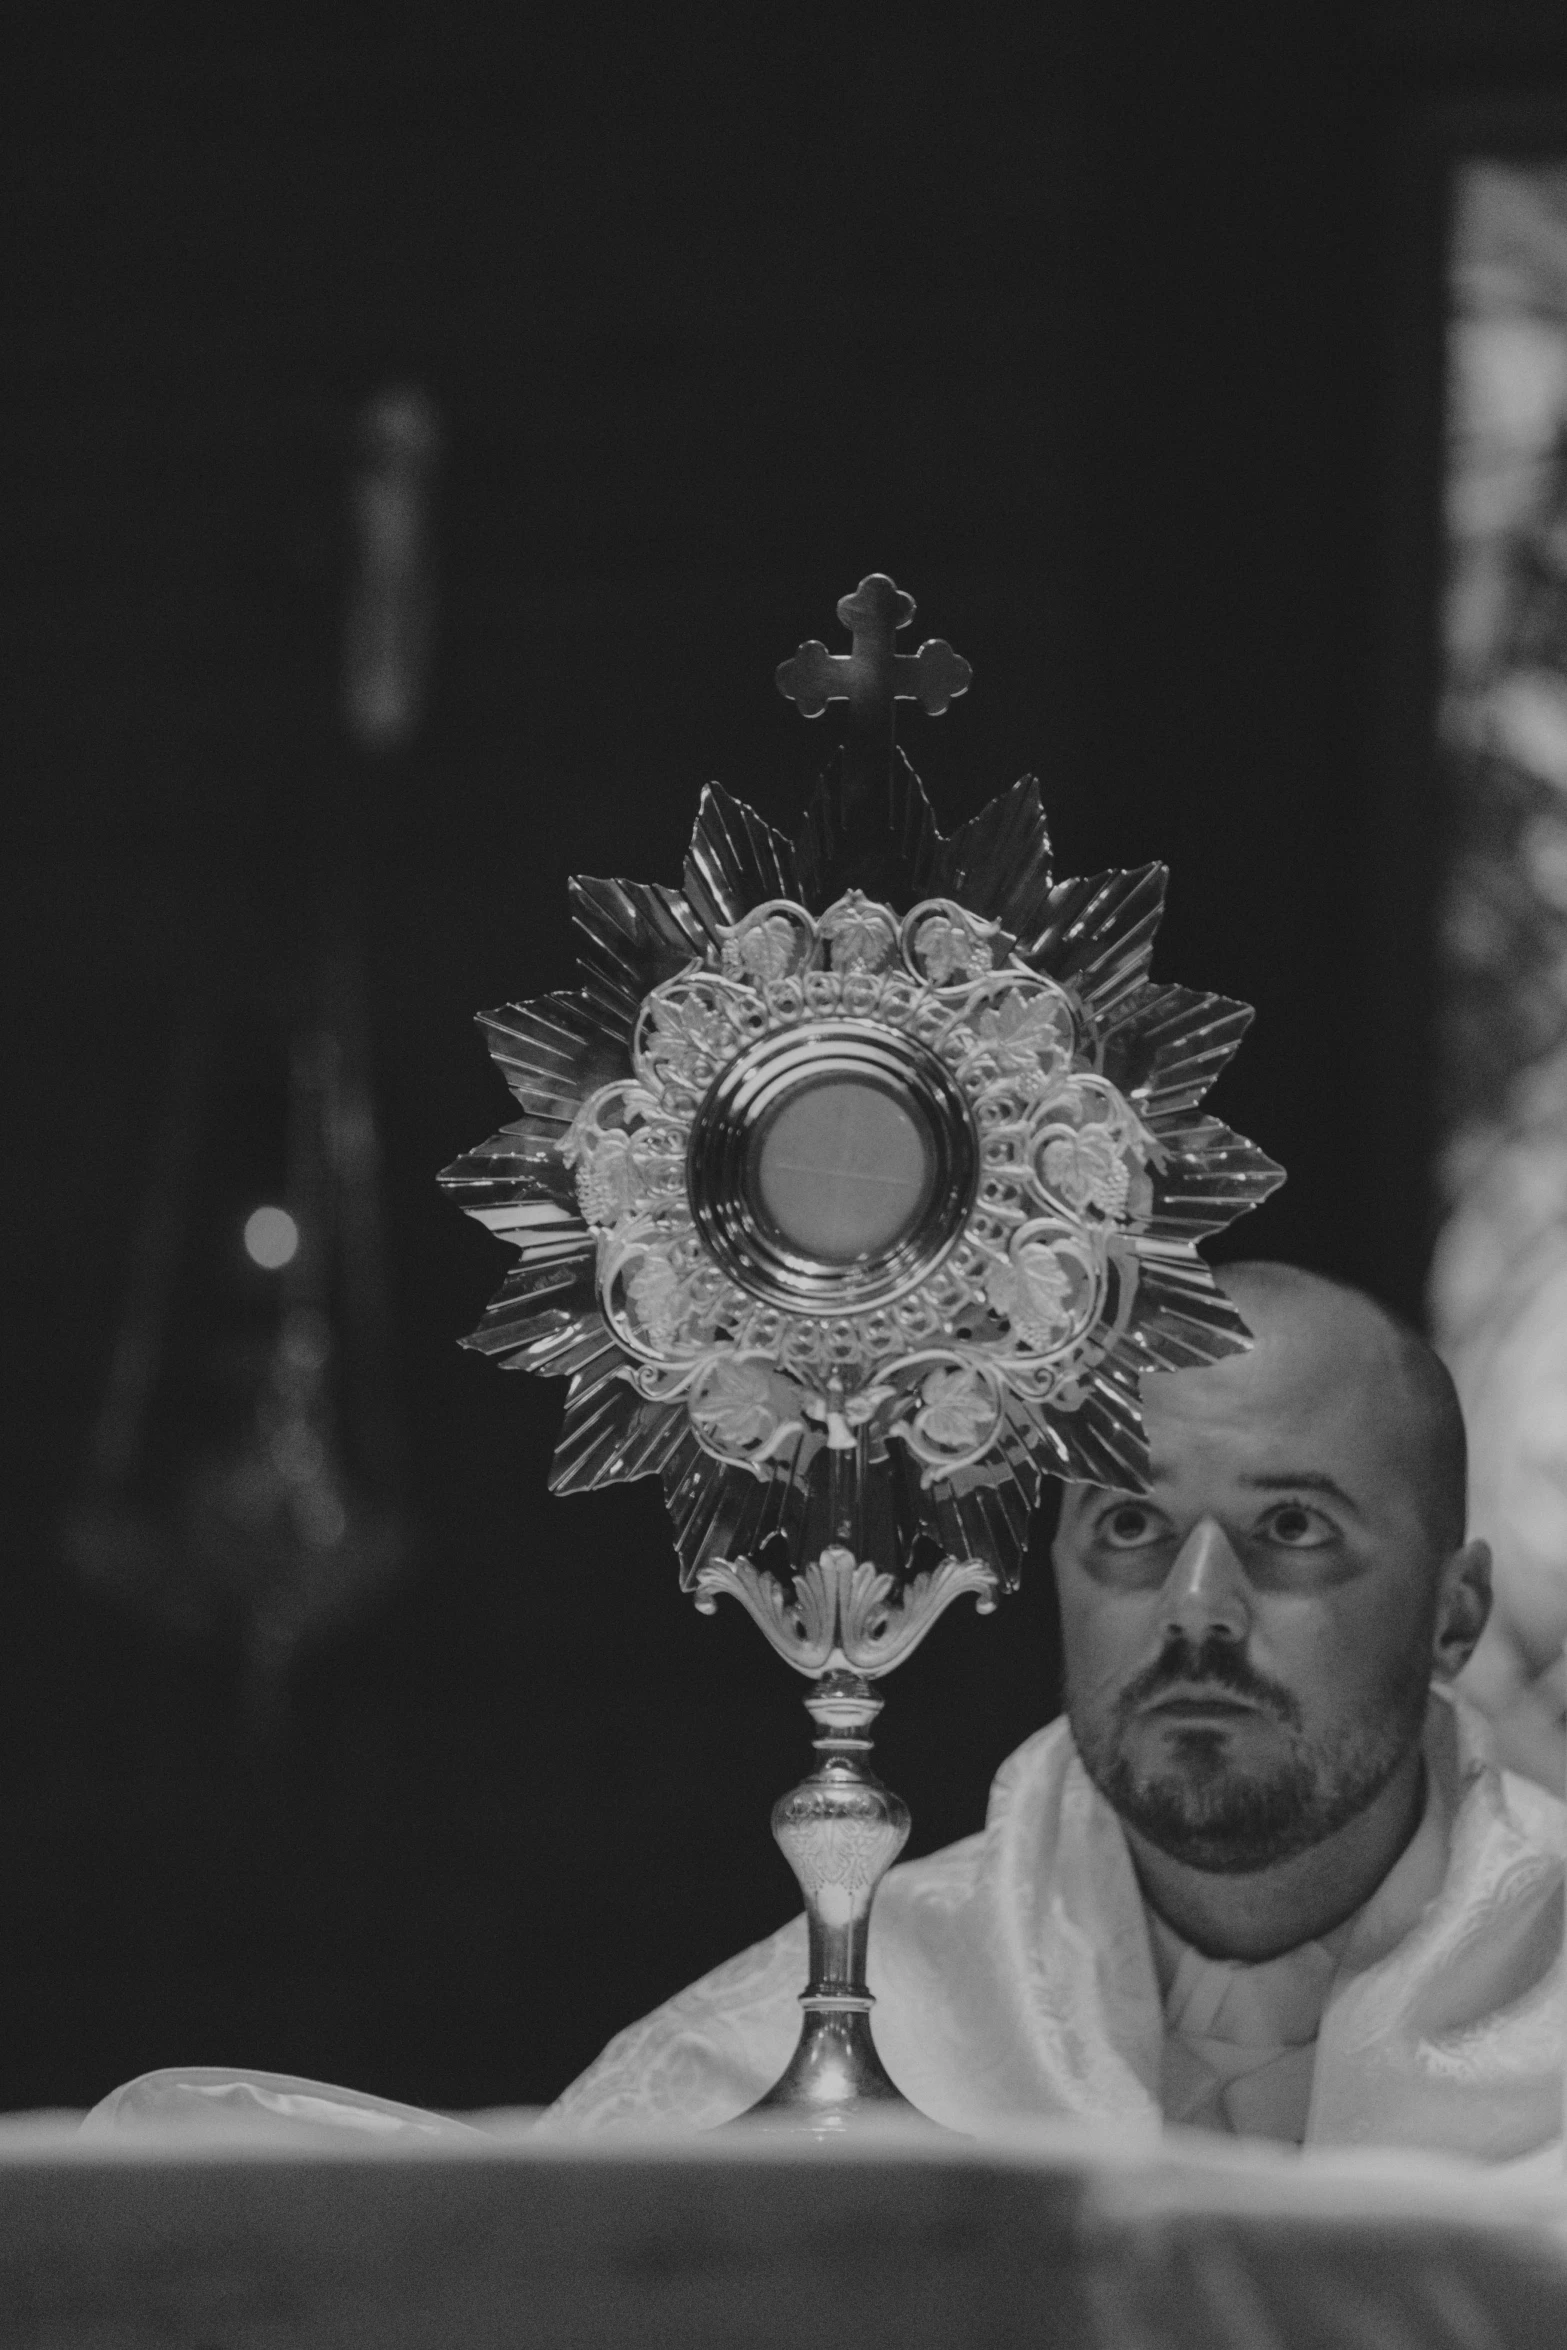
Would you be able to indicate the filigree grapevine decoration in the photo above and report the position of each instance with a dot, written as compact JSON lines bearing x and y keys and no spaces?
{"x":1010,"y":1316}
{"x":891,"y":1410}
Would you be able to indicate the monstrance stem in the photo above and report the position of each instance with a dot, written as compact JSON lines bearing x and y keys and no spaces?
{"x":840,"y":1831}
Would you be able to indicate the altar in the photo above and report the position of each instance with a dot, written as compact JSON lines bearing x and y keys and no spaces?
{"x":249,"y":2238}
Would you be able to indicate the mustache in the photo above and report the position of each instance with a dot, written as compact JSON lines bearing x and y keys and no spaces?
{"x":1215,"y":1664}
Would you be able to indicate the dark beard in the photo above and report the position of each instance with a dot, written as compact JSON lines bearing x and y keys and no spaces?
{"x":1207,"y":1814}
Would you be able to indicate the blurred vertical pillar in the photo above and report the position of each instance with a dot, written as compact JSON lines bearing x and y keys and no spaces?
{"x":244,"y":1477}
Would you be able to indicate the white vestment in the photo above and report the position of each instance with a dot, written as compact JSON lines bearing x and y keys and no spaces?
{"x":1016,"y":1976}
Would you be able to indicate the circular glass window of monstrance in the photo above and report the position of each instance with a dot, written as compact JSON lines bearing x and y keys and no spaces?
{"x":832,"y":1166}
{"x":844,"y":1170}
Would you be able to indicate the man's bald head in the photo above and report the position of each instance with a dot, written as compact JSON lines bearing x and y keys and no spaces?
{"x":1249,"y":1643}
{"x":1405,"y":1382}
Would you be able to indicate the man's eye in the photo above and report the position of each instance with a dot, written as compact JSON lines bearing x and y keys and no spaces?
{"x":1126,"y":1527}
{"x":1297,"y":1526}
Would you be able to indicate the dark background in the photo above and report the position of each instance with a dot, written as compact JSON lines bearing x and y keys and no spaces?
{"x":1119,"y":346}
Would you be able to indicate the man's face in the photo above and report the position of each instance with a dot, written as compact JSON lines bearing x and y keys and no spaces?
{"x":1249,"y":1644}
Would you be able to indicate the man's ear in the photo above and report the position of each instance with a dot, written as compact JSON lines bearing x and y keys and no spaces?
{"x":1462,"y":1607}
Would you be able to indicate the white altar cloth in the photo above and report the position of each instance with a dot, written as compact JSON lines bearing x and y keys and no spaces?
{"x":302,"y":2231}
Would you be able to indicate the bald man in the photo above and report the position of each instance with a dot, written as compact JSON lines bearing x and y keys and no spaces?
{"x":1263,"y":1877}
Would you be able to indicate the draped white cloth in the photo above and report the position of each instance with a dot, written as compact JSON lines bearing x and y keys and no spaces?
{"x":1016,"y":1976}
{"x":1240,"y":2040}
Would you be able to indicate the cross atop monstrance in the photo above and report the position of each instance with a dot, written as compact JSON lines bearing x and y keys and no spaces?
{"x":872,"y":677}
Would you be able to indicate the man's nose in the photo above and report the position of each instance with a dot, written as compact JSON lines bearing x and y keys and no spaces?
{"x":1205,"y":1596}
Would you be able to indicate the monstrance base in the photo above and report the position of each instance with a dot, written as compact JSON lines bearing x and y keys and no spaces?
{"x":835,"y":2082}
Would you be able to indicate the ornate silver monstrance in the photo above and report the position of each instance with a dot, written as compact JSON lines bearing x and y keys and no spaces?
{"x":854,"y":1191}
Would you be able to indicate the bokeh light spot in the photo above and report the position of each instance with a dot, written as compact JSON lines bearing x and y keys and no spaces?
{"x":271,"y":1238}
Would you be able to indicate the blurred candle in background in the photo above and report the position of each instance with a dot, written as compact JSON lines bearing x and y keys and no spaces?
{"x":243,"y":1482}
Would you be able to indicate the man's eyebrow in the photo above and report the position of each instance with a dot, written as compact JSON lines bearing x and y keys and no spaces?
{"x":1301,"y":1481}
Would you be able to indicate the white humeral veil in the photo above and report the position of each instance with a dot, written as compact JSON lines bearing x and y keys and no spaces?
{"x":1014,"y":1979}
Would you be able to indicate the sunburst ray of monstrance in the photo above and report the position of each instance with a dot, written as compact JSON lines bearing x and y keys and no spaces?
{"x":853,"y":1192}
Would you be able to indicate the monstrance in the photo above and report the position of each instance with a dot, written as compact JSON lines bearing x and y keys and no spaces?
{"x":854,"y":1191}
